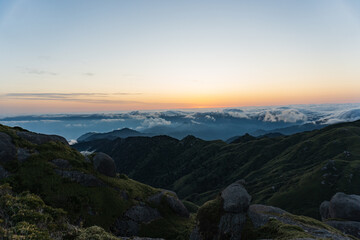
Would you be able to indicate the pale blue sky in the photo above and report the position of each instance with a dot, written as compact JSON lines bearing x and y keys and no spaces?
{"x":169,"y":54}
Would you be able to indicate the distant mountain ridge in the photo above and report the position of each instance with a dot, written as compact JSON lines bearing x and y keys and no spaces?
{"x":291,"y":129}
{"x":122,"y":133}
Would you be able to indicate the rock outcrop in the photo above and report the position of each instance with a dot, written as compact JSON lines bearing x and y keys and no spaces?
{"x":3,"y":173}
{"x":347,"y":227}
{"x":38,"y":138}
{"x":345,"y":207}
{"x":61,"y":163}
{"x":7,"y":148}
{"x":172,"y":200}
{"x":129,"y":224}
{"x":236,"y":198}
{"x":324,"y":210}
{"x":225,"y":216}
{"x":23,"y":154}
{"x":261,"y":214}
{"x":230,"y":216}
{"x":236,"y":201}
{"x":142,"y":214}
{"x":104,"y":164}
{"x":84,"y":179}
{"x":343,"y":213}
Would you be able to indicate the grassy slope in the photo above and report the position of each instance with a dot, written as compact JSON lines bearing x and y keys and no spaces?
{"x":86,"y":206}
{"x":286,"y":171}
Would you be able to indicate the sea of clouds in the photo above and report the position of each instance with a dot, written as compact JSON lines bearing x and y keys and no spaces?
{"x":204,"y":123}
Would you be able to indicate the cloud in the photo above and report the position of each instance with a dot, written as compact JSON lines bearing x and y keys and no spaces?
{"x":189,"y":116}
{"x":284,"y":115}
{"x":210,"y":118}
{"x":73,"y":97}
{"x":153,"y":122}
{"x":236,"y":113}
{"x":17,"y":122}
{"x":38,"y":72}
{"x":125,"y":93}
{"x":344,"y":116}
{"x":87,"y":153}
{"x":77,"y":125}
{"x":89,"y":74}
{"x":72,"y":142}
{"x":195,"y":122}
{"x":50,"y":121}
{"x":112,"y":120}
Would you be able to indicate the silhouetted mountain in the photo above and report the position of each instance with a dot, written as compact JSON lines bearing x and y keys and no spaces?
{"x":291,"y":130}
{"x":241,"y":139}
{"x":122,"y":133}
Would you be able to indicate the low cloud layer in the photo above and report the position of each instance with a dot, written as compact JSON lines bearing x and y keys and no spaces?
{"x":207,"y":124}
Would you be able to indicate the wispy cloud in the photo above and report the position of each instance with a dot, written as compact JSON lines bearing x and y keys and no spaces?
{"x":125,"y":93}
{"x":77,"y":97}
{"x":38,"y":72}
{"x":89,"y":74}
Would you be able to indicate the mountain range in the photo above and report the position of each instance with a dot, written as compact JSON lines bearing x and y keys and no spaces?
{"x":293,"y":172}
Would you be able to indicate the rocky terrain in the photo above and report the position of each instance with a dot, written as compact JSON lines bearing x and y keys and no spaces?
{"x":232,"y":216}
{"x":51,"y":191}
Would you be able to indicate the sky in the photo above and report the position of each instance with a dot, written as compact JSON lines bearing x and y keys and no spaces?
{"x":94,"y":55}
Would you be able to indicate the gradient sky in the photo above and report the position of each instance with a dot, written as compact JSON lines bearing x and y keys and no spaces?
{"x":87,"y":55}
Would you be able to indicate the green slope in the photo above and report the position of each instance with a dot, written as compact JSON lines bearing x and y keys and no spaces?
{"x":294,"y":172}
{"x":100,"y":204}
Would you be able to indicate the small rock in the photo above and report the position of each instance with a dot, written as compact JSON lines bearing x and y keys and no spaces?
{"x":61,"y":163}
{"x":236,"y":198}
{"x":104,"y":164}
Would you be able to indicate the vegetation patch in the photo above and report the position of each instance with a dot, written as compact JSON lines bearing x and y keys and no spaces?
{"x":208,"y":217}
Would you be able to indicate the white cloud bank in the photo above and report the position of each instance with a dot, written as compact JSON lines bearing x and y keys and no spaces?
{"x":154,"y":122}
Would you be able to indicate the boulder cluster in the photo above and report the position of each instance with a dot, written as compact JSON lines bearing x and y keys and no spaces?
{"x":343,"y":213}
{"x":231,"y":216}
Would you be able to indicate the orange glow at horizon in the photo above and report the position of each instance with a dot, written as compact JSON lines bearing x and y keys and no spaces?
{"x":175,"y":101}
